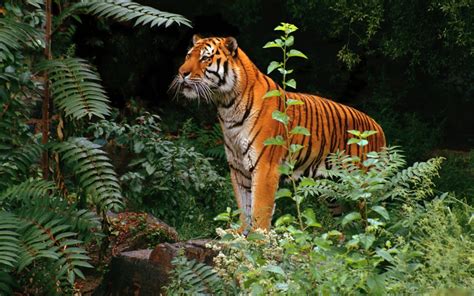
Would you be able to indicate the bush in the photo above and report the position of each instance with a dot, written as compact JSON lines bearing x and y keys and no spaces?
{"x":169,"y":179}
{"x":395,"y":237}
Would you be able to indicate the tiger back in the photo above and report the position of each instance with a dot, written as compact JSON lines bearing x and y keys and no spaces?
{"x":217,"y":71}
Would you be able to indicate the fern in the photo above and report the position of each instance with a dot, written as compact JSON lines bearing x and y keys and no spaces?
{"x":33,"y":237}
{"x":190,"y":277}
{"x":28,"y":190}
{"x":93,"y":170}
{"x":16,"y":165}
{"x":76,"y":88}
{"x":9,"y":252}
{"x":142,"y":15}
{"x":15,"y":35}
{"x":45,"y":237}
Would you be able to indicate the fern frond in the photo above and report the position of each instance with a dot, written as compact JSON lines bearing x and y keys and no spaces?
{"x":416,"y":180}
{"x":76,"y":88}
{"x":45,"y":239}
{"x":29,"y":189}
{"x":142,"y":15}
{"x":93,"y":170}
{"x":15,"y":35}
{"x":194,"y":278}
{"x":16,"y":165}
{"x":9,"y":250}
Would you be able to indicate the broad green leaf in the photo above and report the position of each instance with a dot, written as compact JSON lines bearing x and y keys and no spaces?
{"x":290,"y":41}
{"x":285,"y":220}
{"x":367,"y":134}
{"x":280,"y":116}
{"x":299,"y":130}
{"x":296,"y":53}
{"x":253,"y":236}
{"x":310,"y":218}
{"x":363,"y":142}
{"x":373,"y":154}
{"x":353,"y":141}
{"x":354,"y":132}
{"x":283,"y":192}
{"x":354,"y":216}
{"x":384,"y":254}
{"x":381,"y":211}
{"x":291,"y":83}
{"x":295,"y":148}
{"x":307,"y":182}
{"x":273,"y":65}
{"x":275,"y":269}
{"x":278,"y":140}
{"x":292,"y":102}
{"x":284,"y":169}
{"x":376,"y":284}
{"x":367,"y":240}
{"x":272,"y":93}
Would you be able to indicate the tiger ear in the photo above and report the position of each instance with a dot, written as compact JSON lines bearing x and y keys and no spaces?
{"x":196,"y":38}
{"x":231,"y":45}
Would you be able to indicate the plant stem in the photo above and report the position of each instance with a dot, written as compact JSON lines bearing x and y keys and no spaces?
{"x":46,"y":96}
{"x":288,"y":138}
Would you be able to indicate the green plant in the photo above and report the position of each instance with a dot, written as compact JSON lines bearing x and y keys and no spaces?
{"x":170,"y":179}
{"x":192,"y":277}
{"x":286,"y":169}
{"x":49,"y":180}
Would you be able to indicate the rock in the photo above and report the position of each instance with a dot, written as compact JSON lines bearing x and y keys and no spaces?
{"x":133,"y":231}
{"x":193,"y":249}
{"x":145,"y":272}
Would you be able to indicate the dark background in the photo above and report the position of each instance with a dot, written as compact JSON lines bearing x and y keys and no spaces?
{"x":408,"y":64}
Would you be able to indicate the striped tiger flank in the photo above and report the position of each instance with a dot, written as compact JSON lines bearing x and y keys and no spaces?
{"x":218,"y":71}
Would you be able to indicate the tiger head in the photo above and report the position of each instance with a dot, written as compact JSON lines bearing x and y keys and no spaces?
{"x":208,"y":71}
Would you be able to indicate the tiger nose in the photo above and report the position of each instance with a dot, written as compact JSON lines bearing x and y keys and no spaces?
{"x":184,"y":72}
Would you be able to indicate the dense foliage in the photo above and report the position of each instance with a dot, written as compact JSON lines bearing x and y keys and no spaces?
{"x":68,"y":158}
{"x":55,"y":184}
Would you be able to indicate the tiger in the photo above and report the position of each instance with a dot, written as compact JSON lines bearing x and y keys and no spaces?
{"x":217,"y":71}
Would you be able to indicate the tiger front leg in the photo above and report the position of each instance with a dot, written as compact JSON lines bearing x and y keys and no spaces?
{"x":242,"y":185}
{"x":264,"y":186}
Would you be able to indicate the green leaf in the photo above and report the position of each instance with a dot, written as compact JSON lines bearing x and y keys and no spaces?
{"x":381,"y":211}
{"x":376,"y":284}
{"x":310,"y":218}
{"x":372,"y":154}
{"x":253,"y":236}
{"x":363,"y":142}
{"x":284,"y":169}
{"x":272,"y":93}
{"x":353,"y":141}
{"x":283,"y":192}
{"x":367,"y":134}
{"x":280,"y":116}
{"x":291,"y":83}
{"x":384,"y":254}
{"x":367,"y":240}
{"x":292,"y":102}
{"x":271,"y":44}
{"x":307,"y":182}
{"x":354,"y":216}
{"x":296,"y":53}
{"x":278,"y":140}
{"x":299,"y":130}
{"x":274,"y":269}
{"x":290,"y":41}
{"x":354,"y":132}
{"x":295,"y":148}
{"x":273,"y":65}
